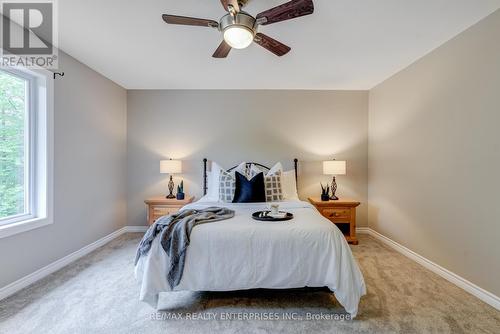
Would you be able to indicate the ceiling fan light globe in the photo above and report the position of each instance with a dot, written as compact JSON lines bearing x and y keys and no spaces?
{"x":238,"y":37}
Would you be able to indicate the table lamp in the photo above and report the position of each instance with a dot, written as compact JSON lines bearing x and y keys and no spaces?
{"x":170,"y":167}
{"x":334,"y":168}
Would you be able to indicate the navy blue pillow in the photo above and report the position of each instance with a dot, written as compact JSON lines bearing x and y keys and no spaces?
{"x":249,"y":191}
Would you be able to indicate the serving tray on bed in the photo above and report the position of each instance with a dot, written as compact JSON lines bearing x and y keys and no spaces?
{"x":264,"y":216}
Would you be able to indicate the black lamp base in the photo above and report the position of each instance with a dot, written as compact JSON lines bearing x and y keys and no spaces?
{"x":171,"y":188}
{"x":334,"y":190}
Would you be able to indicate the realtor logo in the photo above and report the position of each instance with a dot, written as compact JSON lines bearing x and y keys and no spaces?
{"x":28,"y":34}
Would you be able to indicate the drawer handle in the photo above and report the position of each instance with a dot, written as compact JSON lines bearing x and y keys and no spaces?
{"x":335,"y":214}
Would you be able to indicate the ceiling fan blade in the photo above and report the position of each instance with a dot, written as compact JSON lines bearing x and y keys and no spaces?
{"x":287,"y":11}
{"x":189,"y":21}
{"x":272,"y":45}
{"x":234,"y":3}
{"x":222,"y":51}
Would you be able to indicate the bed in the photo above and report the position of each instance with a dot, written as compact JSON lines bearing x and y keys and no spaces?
{"x":241,"y":253}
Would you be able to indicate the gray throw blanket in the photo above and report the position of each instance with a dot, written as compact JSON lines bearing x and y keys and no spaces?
{"x":174,"y":231}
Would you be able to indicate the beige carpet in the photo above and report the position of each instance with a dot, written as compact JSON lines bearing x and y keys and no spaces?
{"x":98,"y":294}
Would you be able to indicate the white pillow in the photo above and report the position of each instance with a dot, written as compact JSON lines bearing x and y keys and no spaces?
{"x":275,"y":169}
{"x":256,"y":170}
{"x":289,"y":185}
{"x":273,"y":181}
{"x":213,"y":183}
{"x":242,"y":169}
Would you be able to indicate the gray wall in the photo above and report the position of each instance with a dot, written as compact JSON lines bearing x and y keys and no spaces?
{"x":434,"y":155}
{"x":90,"y":171}
{"x":234,"y":126}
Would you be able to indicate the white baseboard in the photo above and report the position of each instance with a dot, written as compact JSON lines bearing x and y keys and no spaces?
{"x":21,"y":283}
{"x":461,"y":282}
{"x":363,"y":230}
{"x":135,"y":229}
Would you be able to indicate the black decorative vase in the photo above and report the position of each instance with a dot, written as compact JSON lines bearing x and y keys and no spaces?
{"x":325,"y":198}
{"x":180,"y":196}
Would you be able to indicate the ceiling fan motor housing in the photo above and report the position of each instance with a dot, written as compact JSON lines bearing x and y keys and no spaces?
{"x":241,"y":19}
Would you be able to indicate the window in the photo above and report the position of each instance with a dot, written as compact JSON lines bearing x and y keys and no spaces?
{"x":15,"y":138}
{"x":25,"y":150}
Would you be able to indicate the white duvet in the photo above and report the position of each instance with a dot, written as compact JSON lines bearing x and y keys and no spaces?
{"x":241,"y":253}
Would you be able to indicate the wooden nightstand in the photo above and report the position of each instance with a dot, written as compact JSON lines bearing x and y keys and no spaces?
{"x":342,"y":213}
{"x":161,"y":206}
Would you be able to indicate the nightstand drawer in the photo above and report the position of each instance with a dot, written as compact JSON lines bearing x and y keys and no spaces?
{"x":159,"y":211}
{"x":337,"y":213}
{"x":161,"y":206}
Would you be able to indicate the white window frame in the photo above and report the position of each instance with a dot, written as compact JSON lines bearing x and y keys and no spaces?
{"x":40,"y":168}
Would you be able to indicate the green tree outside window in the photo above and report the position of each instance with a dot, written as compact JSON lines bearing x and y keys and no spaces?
{"x":12,"y":144}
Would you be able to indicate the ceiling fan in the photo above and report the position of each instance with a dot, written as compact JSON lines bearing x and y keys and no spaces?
{"x":240,"y":29}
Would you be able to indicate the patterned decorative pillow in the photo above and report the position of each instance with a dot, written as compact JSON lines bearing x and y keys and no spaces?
{"x":227,"y":186}
{"x":272,"y":182}
{"x":274,"y":192}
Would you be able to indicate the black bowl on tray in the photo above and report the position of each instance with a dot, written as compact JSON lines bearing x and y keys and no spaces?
{"x":266,"y":217}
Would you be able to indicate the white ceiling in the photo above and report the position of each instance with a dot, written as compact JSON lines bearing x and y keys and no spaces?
{"x":345,"y":44}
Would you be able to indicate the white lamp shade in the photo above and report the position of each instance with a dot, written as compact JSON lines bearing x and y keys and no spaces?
{"x":334,"y":167}
{"x":170,"y":166}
